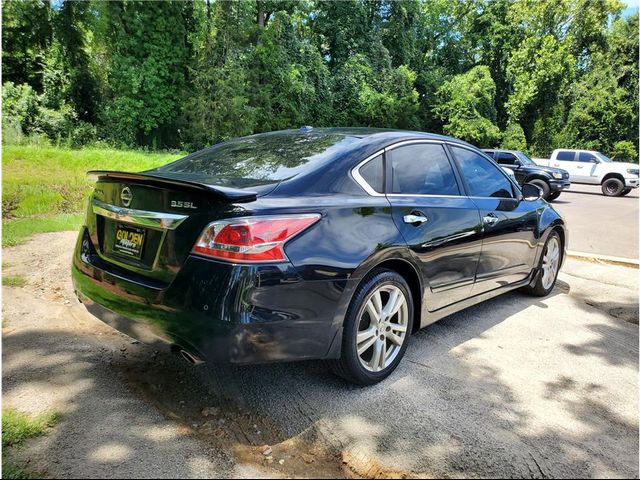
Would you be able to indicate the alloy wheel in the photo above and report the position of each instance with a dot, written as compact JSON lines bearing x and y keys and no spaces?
{"x":382,"y":328}
{"x":550,"y":262}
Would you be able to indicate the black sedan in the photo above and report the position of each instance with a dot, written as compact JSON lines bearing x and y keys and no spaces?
{"x":332,"y":244}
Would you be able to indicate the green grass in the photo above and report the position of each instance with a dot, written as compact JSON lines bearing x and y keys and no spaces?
{"x":14,"y":280}
{"x":16,"y":428}
{"x":16,"y":231}
{"x":44,"y":189}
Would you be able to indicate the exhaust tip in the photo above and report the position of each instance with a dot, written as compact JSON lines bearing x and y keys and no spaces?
{"x":192,"y":359}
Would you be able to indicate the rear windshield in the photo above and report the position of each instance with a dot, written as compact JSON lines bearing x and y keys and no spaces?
{"x":261,"y":159}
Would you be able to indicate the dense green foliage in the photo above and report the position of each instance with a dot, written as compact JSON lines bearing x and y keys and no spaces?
{"x":530,"y":74}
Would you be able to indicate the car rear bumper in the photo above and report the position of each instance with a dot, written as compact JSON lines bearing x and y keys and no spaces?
{"x":217,"y":312}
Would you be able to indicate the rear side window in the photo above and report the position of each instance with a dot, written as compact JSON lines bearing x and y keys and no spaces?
{"x":422,"y":169}
{"x":565,"y":155}
{"x":587,"y":157}
{"x":483,"y":177}
{"x":373,"y":174}
{"x":505,"y":158}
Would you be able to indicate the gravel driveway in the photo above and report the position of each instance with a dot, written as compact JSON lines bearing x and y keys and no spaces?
{"x":515,"y":387}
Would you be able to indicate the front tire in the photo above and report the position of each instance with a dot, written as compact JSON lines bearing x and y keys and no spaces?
{"x":626,"y":191}
{"x":612,"y":187}
{"x":544,"y":186}
{"x":376,"y":330}
{"x":553,"y":196}
{"x":548,"y":268}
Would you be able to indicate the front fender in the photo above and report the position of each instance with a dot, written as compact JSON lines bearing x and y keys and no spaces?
{"x":550,"y":220}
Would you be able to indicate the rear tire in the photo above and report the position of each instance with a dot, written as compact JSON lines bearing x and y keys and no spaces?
{"x":548,"y":268}
{"x":612,"y":187}
{"x":553,"y":196}
{"x":376,"y":330}
{"x":544,"y":186}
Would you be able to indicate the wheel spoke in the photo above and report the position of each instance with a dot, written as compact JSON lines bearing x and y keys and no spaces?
{"x":366,"y":343}
{"x":374,"y":316}
{"x":366,"y":334}
{"x":377,"y":303}
{"x":398,"y":327}
{"x":396,"y":339}
{"x":377,"y":358}
{"x":398,"y":302}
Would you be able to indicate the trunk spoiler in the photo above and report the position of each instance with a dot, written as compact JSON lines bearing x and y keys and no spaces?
{"x":217,"y":191}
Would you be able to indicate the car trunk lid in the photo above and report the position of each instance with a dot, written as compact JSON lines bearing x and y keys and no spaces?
{"x":147,"y":223}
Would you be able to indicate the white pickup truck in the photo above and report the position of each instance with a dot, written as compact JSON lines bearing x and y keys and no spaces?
{"x":594,"y":168}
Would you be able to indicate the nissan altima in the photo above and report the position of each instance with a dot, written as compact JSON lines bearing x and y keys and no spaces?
{"x":332,"y":244}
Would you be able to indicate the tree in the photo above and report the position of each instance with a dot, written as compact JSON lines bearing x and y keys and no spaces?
{"x":467,"y":107}
{"x":26,"y":35}
{"x":600,"y":113}
{"x":68,"y":78}
{"x":147,"y":55}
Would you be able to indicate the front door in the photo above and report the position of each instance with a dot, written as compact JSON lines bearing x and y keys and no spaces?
{"x":586,"y":166}
{"x":566,"y":159}
{"x":509,"y":223}
{"x":439,"y":223}
{"x":509,"y":160}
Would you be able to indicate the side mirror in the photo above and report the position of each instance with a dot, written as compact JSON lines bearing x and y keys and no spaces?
{"x":531,"y":192}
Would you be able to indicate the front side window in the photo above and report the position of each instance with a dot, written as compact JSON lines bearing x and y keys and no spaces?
{"x":565,"y":156}
{"x":422,"y":169}
{"x":505,"y":158}
{"x":483,"y":177}
{"x":587,"y":157}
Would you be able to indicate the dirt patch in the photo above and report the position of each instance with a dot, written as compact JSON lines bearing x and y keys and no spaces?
{"x":45,"y":261}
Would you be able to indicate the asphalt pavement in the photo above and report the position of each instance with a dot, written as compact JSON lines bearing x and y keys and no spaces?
{"x":598,"y":224}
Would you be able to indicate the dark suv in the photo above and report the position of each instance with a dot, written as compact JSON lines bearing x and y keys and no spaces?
{"x":551,"y":180}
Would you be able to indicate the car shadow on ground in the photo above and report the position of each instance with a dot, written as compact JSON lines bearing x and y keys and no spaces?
{"x":438,"y":414}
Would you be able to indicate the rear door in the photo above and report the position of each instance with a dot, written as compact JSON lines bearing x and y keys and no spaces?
{"x":508,"y":222}
{"x":439,"y":223}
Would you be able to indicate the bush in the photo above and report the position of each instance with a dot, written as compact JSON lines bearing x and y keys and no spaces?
{"x":55,"y":124}
{"x":83,"y":134}
{"x":513,"y":137}
{"x":625,"y":151}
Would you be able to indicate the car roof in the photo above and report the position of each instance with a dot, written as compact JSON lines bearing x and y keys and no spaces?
{"x":373,"y":136}
{"x":500,"y":150}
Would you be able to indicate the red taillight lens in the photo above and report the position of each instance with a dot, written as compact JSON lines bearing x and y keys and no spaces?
{"x":252,"y":239}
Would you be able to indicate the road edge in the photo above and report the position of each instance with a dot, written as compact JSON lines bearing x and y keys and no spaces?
{"x":607,"y":259}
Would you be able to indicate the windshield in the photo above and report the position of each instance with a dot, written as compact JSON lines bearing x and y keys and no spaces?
{"x":261,"y":159}
{"x":603,"y":157}
{"x":525,"y":160}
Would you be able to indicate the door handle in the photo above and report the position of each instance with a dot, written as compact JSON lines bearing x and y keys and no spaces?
{"x":490,"y":219}
{"x":413,"y":219}
{"x":580,"y":166}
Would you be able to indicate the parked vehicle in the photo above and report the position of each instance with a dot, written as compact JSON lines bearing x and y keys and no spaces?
{"x":594,"y":168}
{"x":333,"y":244}
{"x":551,"y":180}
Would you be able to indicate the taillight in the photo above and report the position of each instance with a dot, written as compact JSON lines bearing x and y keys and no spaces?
{"x":252,"y":239}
